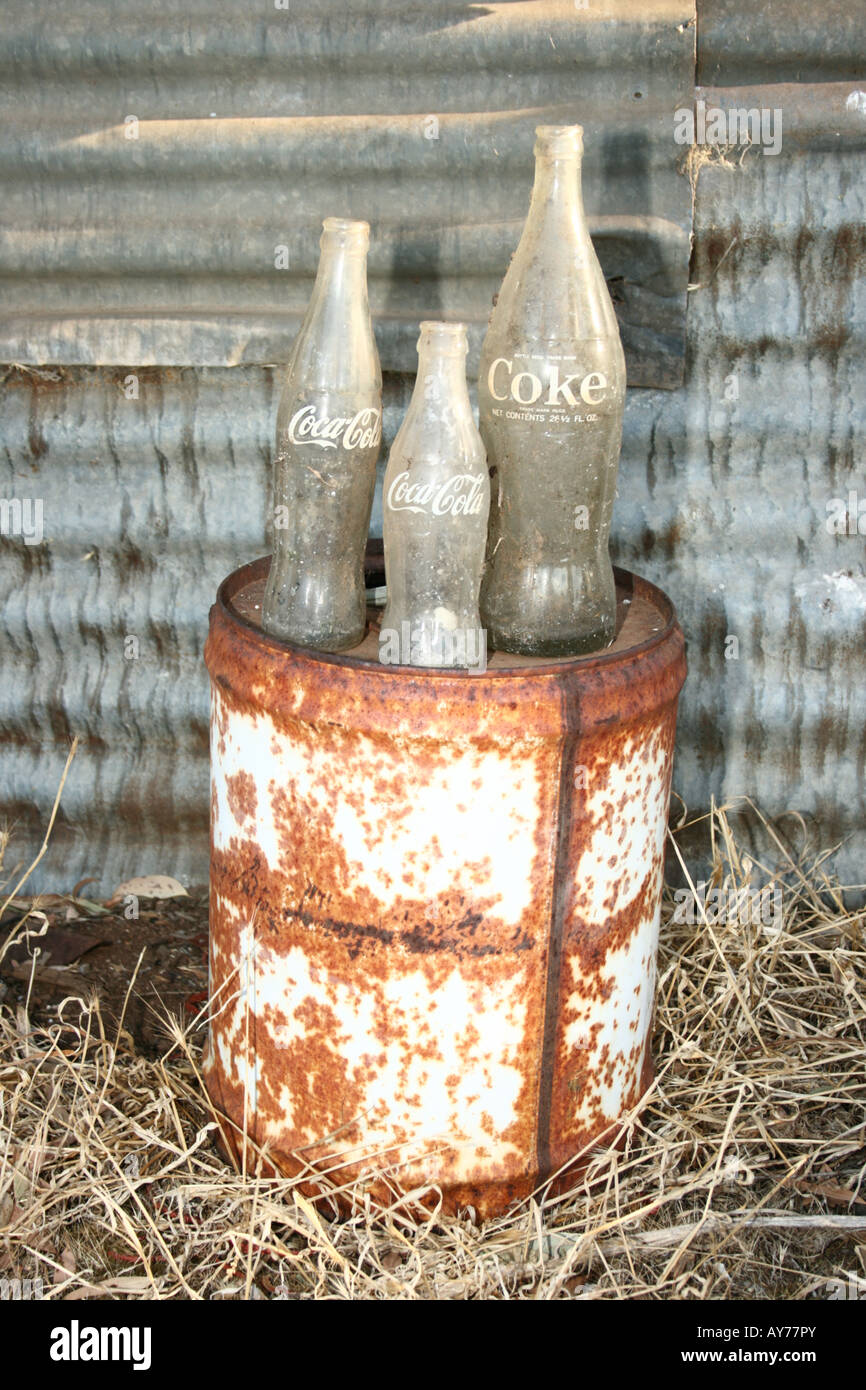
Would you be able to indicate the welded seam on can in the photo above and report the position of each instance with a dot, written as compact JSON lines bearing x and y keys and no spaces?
{"x":559,"y":900}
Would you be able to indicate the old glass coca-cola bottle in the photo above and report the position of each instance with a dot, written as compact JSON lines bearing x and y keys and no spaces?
{"x":435,"y":508}
{"x":329,"y":429}
{"x":551,"y":390}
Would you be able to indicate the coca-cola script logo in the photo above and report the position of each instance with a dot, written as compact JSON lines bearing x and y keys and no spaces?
{"x":360,"y":431}
{"x":457,"y":496}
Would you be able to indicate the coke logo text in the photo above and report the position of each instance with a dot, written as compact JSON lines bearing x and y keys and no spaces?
{"x":362,"y":430}
{"x":457,"y":496}
{"x":526,"y":387}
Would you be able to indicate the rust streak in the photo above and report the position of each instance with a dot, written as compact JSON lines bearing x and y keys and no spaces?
{"x":559,"y":907}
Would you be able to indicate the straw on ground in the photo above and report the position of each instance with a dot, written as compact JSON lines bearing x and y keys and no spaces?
{"x":741,"y":1175}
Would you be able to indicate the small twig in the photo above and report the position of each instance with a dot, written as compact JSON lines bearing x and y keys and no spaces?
{"x":24,"y":877}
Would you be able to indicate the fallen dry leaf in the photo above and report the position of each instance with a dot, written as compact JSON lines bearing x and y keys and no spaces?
{"x":833,"y":1192}
{"x":57,"y":947}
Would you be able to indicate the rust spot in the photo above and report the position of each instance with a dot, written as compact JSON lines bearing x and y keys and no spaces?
{"x":241,"y":792}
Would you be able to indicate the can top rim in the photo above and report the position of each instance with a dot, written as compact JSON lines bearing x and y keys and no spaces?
{"x":605,"y":659}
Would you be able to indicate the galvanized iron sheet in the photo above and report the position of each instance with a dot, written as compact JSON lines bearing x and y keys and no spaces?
{"x":780,"y":41}
{"x":745,"y":495}
{"x":165,"y":182}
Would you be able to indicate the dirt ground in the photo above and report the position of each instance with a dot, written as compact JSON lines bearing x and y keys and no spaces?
{"x":142,"y":969}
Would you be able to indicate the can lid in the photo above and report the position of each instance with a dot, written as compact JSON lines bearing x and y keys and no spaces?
{"x":513,"y":698}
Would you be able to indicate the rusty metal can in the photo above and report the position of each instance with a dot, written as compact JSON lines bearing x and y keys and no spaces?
{"x":435,"y":900}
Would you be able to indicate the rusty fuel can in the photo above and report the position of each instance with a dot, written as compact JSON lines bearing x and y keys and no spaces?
{"x":435,"y":900}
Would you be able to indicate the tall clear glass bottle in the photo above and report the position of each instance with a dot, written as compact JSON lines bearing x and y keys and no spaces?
{"x":551,"y":392}
{"x":329,"y":430}
{"x":436,"y":504}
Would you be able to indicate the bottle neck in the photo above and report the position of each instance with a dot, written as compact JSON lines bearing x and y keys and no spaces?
{"x":341,"y":278}
{"x":441,"y":375}
{"x":557,"y":199}
{"x":335,"y":348}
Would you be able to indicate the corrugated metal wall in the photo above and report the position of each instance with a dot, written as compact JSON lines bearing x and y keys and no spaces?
{"x":156,"y":257}
{"x":153,"y":168}
{"x":729,"y":487}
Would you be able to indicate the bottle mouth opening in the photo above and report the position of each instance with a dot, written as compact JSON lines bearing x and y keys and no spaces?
{"x":346,"y":231}
{"x":562,"y":140}
{"x":446,"y":336}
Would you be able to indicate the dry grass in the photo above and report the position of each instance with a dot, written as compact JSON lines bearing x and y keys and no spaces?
{"x":742,"y":1174}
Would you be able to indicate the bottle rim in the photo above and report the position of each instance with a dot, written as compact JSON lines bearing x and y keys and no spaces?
{"x":559,"y":139}
{"x":446,"y":335}
{"x":444,"y":326}
{"x":347,"y":227}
